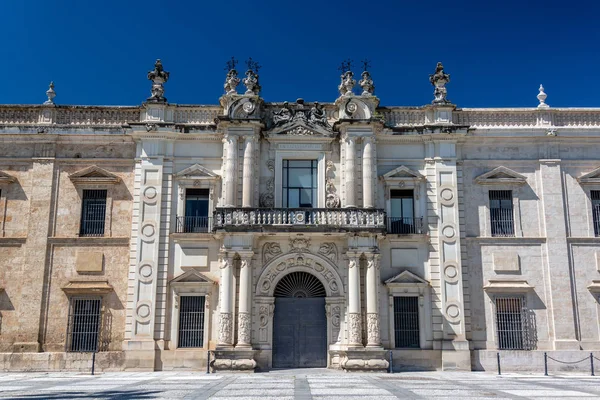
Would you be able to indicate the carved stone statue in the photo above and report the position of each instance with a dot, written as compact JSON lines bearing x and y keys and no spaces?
{"x":231,"y":82}
{"x":439,"y":81}
{"x":317,"y":115}
{"x":347,"y":83}
{"x":366,"y":83}
{"x":158,"y":77}
{"x":282,"y":116}
{"x":251,"y":83}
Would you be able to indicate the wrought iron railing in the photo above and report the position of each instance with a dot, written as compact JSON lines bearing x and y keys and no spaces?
{"x":346,"y":218}
{"x":193,"y":224}
{"x":405,"y":226}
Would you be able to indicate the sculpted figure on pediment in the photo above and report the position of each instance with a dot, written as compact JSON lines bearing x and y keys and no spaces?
{"x":317,"y":115}
{"x":282,"y":116}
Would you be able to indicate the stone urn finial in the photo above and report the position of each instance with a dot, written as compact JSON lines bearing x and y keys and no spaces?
{"x":232,"y":80}
{"x":366,"y":83}
{"x":51,"y":94}
{"x":251,"y":80}
{"x":347,"y":82}
{"x":542,"y":98}
{"x":158,"y":77}
{"x":439,"y":81}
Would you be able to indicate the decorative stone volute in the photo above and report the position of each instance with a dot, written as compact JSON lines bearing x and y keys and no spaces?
{"x":542,"y":98}
{"x":158,"y":76}
{"x":51,"y":94}
{"x":439,"y":81}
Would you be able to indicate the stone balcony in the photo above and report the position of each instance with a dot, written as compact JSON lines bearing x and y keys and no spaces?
{"x":299,"y":219}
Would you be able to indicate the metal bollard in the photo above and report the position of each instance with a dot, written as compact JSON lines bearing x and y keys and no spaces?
{"x":499,"y":370}
{"x":391,"y":362}
{"x":545,"y":364}
{"x":592,"y":362}
{"x":93,"y":362}
{"x":208,"y":361}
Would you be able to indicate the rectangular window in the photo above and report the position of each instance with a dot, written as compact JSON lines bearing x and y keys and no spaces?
{"x":510,"y":323}
{"x":406,"y":322}
{"x":191,"y":321}
{"x":196,"y":210}
{"x":93,"y":213}
{"x":501,"y":213}
{"x":84,"y":324}
{"x":402,"y":212}
{"x":299,"y":184}
{"x":595,"y":195}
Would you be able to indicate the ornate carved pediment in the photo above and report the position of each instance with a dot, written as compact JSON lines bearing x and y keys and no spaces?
{"x":94,"y":175}
{"x":6,"y":179}
{"x":406,"y":278}
{"x":194,"y":172}
{"x":501,"y":175}
{"x":591,"y":178}
{"x":300,"y":120}
{"x":403,"y":173}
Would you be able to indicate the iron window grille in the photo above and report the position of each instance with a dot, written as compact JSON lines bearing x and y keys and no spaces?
{"x":595,"y":196}
{"x":406,"y":322}
{"x":93,"y":213}
{"x":191,"y":321}
{"x":84,"y":324}
{"x":501,"y":213}
{"x":513,"y":325}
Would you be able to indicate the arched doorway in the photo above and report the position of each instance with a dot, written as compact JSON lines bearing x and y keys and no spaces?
{"x":299,"y":322}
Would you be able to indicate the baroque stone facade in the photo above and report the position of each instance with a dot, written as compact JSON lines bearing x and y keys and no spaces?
{"x":434,"y":233}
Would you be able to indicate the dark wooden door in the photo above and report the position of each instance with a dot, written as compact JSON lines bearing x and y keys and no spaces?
{"x":299,"y":333}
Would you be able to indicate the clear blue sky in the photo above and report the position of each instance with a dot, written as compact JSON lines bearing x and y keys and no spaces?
{"x":497,"y":52}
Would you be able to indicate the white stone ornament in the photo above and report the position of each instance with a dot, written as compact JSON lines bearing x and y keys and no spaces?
{"x":347,"y":84}
{"x":542,"y":98}
{"x":51,"y":94}
{"x":231,"y":82}
{"x":366,"y":83}
{"x":439,"y":80}
{"x":158,"y":76}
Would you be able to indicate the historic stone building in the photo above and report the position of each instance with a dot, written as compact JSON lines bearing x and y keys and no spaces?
{"x":297,"y":234}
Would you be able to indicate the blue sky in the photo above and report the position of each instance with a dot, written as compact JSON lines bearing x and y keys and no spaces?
{"x":497,"y":52}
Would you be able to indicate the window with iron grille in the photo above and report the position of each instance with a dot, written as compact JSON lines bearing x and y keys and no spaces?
{"x":84,"y":324}
{"x":93,"y":213}
{"x":501,"y":213}
{"x":511,"y":323}
{"x":191,"y":321}
{"x":406,"y":322}
{"x":595,"y":196}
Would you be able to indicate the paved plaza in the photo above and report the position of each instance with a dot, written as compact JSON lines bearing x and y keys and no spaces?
{"x":294,"y":384}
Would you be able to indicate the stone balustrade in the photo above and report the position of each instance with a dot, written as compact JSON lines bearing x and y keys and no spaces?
{"x":484,"y":118}
{"x":264,"y":218}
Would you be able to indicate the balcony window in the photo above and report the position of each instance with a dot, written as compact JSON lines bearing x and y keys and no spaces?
{"x":299,"y":181}
{"x":595,"y":195}
{"x":402,"y":212}
{"x":501,"y":213}
{"x":196,"y":211}
{"x":93,"y":213}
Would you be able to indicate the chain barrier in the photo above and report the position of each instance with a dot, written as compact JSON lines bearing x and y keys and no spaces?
{"x":591,"y":358}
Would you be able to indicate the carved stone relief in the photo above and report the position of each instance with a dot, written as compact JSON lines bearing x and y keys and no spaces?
{"x":354,"y":328}
{"x":225,"y":328}
{"x":373,"y":328}
{"x":267,"y":199}
{"x":244,"y":326}
{"x":329,"y":250}
{"x":270,"y":251}
{"x":299,"y":245}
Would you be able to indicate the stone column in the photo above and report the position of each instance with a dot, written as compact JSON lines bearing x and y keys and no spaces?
{"x":248,"y":173}
{"x":230,"y":170}
{"x":371,"y":284}
{"x":368,"y":177}
{"x":354,"y":314}
{"x":349,"y":173}
{"x":226,"y":306}
{"x":245,"y":305}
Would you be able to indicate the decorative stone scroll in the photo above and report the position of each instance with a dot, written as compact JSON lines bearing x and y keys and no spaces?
{"x":270,"y":251}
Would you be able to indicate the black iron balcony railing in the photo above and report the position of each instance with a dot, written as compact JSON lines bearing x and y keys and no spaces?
{"x":341,"y":218}
{"x":405,"y":226}
{"x":194,"y":224}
